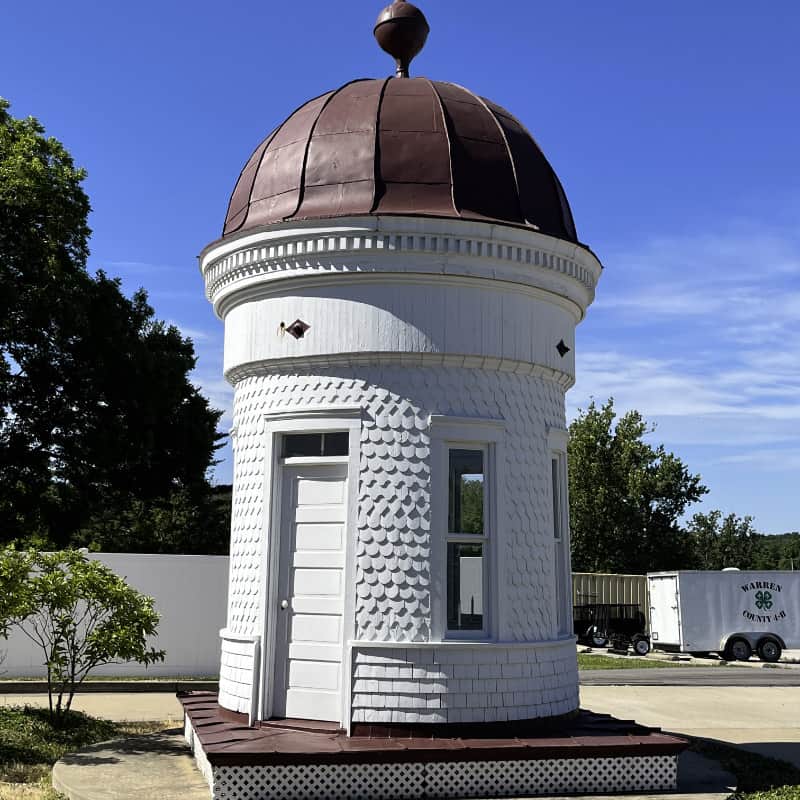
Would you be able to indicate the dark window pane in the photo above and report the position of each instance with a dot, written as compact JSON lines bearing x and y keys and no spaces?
{"x":464,"y":586}
{"x":302,"y":444}
{"x":556,"y":500}
{"x":311,"y":445}
{"x":466,"y":492}
{"x":336,"y":444}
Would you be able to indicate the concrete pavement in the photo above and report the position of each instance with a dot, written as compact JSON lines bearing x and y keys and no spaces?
{"x":156,"y":766}
{"x":761,"y":719}
{"x":121,"y":707}
{"x":161,"y":766}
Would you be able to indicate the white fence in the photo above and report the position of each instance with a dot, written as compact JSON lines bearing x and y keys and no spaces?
{"x":190,"y":593}
{"x":191,"y":596}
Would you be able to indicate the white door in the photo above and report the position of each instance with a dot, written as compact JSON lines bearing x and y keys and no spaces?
{"x":665,"y":625}
{"x":308,"y":647}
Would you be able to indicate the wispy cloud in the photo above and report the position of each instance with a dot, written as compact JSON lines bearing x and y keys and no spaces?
{"x":702,"y":335}
{"x":195,"y":334}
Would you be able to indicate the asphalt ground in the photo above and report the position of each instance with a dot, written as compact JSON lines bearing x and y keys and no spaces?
{"x":692,"y":676}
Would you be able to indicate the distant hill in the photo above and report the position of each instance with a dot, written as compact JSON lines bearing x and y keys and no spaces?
{"x":777,"y":551}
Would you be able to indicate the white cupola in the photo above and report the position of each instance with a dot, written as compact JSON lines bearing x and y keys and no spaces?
{"x":400,"y":280}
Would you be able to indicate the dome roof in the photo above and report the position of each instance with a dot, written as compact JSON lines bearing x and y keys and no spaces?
{"x":402,"y":146}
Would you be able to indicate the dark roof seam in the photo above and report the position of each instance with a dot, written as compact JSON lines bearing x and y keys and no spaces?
{"x":568,"y":221}
{"x":377,"y":175}
{"x":508,"y":151}
{"x":302,"y":189}
{"x":446,"y":123}
{"x":246,"y":206}
{"x":268,"y":141}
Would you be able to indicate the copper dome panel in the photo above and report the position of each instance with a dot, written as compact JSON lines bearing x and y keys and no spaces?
{"x":404,"y":146}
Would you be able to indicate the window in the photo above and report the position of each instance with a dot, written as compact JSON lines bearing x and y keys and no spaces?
{"x":561,"y":561}
{"x":467,"y":540}
{"x":313,"y":445}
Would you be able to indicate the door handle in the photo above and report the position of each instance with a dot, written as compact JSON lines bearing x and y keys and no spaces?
{"x":284,"y":605}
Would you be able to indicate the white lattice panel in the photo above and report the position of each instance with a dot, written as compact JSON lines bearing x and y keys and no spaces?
{"x":563,"y":776}
{"x":356,"y":782}
{"x":479,"y":779}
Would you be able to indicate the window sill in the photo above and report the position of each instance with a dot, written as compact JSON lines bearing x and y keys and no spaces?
{"x":460,"y":643}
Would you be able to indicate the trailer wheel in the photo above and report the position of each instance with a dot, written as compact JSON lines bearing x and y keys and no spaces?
{"x":738,"y":649}
{"x":641,"y":645}
{"x":597,"y":638}
{"x":769,"y":650}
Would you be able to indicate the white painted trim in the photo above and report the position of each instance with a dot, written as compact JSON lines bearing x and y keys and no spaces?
{"x":467,"y":429}
{"x":460,"y":644}
{"x":252,"y":715}
{"x":431,"y":360}
{"x":290,"y":420}
{"x":229,"y":636}
{"x":310,"y":412}
{"x":444,"y":419}
{"x":447,"y":432}
{"x":376,"y":233}
{"x":318,"y":461}
{"x":557,"y":440}
{"x":274,"y":285}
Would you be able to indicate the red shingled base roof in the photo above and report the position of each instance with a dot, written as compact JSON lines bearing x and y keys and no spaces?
{"x":227,"y":740}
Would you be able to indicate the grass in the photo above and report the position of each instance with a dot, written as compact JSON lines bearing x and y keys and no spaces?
{"x":757,"y":777}
{"x":30,"y":745}
{"x":587,"y":661}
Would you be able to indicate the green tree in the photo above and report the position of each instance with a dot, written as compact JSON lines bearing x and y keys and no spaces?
{"x":43,"y":248}
{"x":179,"y":523}
{"x":97,"y":412}
{"x":723,"y":542}
{"x":779,"y":551}
{"x":626,"y":495}
{"x":79,"y":614}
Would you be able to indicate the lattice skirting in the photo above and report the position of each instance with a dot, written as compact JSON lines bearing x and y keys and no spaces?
{"x":426,"y":781}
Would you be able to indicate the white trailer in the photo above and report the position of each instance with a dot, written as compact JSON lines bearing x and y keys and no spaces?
{"x":733,"y":613}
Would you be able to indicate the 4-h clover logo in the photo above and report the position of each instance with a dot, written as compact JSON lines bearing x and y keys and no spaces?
{"x":763,"y":600}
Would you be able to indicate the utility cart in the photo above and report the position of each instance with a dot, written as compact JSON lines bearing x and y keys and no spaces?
{"x":623,"y":625}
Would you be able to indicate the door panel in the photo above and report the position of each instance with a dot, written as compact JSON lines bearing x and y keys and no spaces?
{"x":318,"y":537}
{"x":320,"y":491}
{"x":308,"y":647}
{"x":664,"y":619}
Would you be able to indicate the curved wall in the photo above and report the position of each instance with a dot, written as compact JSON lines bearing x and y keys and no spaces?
{"x":415,"y":321}
{"x":398,"y":596}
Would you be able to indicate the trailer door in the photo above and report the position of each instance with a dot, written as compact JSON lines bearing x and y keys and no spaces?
{"x":665,"y":627}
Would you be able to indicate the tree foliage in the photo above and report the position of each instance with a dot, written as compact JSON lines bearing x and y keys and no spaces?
{"x":626,"y":496}
{"x":97,"y":412}
{"x":79,"y":614}
{"x":721,"y":542}
{"x":781,"y":551}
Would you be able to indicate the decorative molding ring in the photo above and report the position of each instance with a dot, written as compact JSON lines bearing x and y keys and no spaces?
{"x":406,"y":360}
{"x":301,"y":250}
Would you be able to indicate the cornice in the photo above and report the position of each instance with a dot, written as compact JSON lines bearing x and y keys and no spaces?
{"x":405,"y":360}
{"x":260,"y":290}
{"x":383,"y":245}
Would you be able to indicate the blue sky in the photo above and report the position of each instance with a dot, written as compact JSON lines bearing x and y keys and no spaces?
{"x":674,"y":128}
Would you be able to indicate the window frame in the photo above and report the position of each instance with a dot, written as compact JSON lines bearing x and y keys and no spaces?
{"x":276,"y":424}
{"x":557,"y":440}
{"x":460,"y":537}
{"x":467,"y":433}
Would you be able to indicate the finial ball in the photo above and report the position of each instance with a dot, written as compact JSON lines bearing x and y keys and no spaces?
{"x":401,"y":30}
